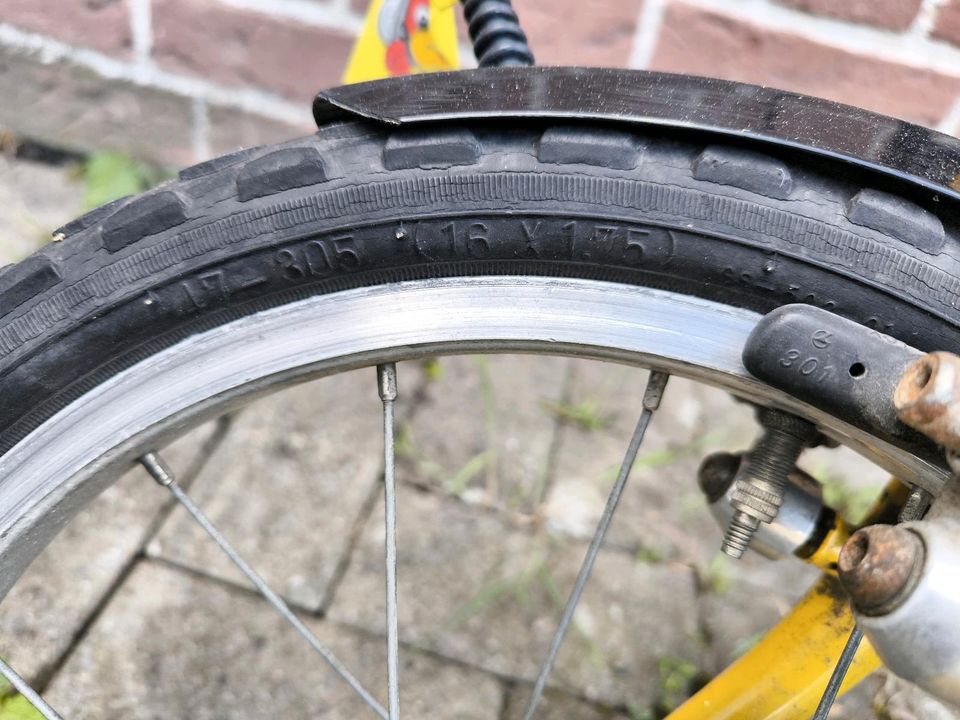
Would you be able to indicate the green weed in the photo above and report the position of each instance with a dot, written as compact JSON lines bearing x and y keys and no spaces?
{"x":648,"y":556}
{"x":18,"y":707}
{"x":851,"y":502}
{"x":110,"y":175}
{"x":433,"y":369}
{"x":535,"y":577}
{"x":14,"y":706}
{"x":585,"y":415}
{"x":458,"y":483}
{"x":717,"y":577}
{"x":677,"y":677}
{"x":667,"y":456}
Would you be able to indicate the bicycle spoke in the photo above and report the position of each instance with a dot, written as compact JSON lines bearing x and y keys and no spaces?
{"x":913,"y":509}
{"x":165,"y":477}
{"x":839,"y":673}
{"x":387,"y":387}
{"x":32,"y":696}
{"x":651,"y":401}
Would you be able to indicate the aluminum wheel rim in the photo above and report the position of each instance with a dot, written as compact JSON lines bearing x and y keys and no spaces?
{"x":48,"y":476}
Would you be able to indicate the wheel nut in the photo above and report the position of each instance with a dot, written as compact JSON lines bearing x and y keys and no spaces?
{"x":879,"y":566}
{"x":927,"y":398}
{"x":761,"y":480}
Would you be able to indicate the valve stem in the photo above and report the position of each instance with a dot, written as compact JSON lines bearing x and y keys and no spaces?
{"x":761,"y":481}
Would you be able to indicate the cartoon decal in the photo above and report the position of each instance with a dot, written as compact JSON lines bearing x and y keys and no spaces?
{"x":405,"y":36}
{"x":404,"y":27}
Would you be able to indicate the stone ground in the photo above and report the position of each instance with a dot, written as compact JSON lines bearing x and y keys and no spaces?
{"x":504,"y":464}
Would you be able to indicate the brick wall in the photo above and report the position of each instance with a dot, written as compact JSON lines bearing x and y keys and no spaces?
{"x":181,"y":80}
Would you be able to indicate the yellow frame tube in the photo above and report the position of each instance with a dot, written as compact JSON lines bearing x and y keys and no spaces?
{"x":784,"y":675}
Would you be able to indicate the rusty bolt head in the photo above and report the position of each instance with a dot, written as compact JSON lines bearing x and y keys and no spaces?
{"x":927,"y":398}
{"x":879,"y":566}
{"x":716,"y":474}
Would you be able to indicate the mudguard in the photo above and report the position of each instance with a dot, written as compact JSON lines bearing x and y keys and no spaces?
{"x":926,"y":161}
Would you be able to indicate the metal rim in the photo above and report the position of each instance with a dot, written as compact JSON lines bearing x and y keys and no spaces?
{"x":69,"y":459}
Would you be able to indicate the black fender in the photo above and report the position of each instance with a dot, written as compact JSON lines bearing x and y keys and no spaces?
{"x":921,"y":161}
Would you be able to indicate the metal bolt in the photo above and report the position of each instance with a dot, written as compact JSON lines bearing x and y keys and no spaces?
{"x":879,"y":566}
{"x":761,"y":481}
{"x":927,"y":398}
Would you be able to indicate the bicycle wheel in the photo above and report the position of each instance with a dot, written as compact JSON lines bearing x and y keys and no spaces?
{"x":364,"y":245}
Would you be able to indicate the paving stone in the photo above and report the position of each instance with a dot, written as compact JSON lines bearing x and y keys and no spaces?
{"x":70,"y":106}
{"x":741,"y":599}
{"x":477,"y":590}
{"x":497,"y":450}
{"x":662,"y":513}
{"x":64,"y":585}
{"x":179,"y":647}
{"x":286,"y":487}
{"x":35,"y":199}
{"x":555,"y":706}
{"x":900,"y":700}
{"x":858,"y":702}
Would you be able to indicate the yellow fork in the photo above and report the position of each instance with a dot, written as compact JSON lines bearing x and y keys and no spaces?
{"x":783,"y":676}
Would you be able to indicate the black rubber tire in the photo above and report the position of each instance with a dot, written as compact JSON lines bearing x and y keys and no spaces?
{"x":361,"y":204}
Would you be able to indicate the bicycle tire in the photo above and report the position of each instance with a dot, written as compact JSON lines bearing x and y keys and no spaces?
{"x":361,"y":204}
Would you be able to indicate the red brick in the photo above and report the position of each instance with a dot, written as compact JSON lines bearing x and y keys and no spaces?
{"x":947,"y":25}
{"x":704,"y":43}
{"x":889,"y":14}
{"x":580,"y":32}
{"x":249,"y":49}
{"x":71,"y":107}
{"x":99,"y":24}
{"x":232,"y":129}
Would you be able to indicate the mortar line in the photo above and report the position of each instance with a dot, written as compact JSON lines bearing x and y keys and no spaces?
{"x":926,"y":18}
{"x":367,"y":634}
{"x":906,"y":49}
{"x":141,"y":30}
{"x":251,"y":100}
{"x":950,"y":123}
{"x":333,"y":14}
{"x":200,"y":129}
{"x":239,"y":589}
{"x":367,"y":508}
{"x":553,"y":449}
{"x":507,"y":688}
{"x":439,"y":656}
{"x":647,"y":34}
{"x":46,"y":674}
{"x":417,"y":399}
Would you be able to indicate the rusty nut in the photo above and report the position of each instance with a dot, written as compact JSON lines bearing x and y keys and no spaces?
{"x":879,"y":566}
{"x":927,"y":398}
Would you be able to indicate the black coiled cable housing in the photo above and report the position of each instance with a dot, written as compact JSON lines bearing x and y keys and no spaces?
{"x":495,"y":31}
